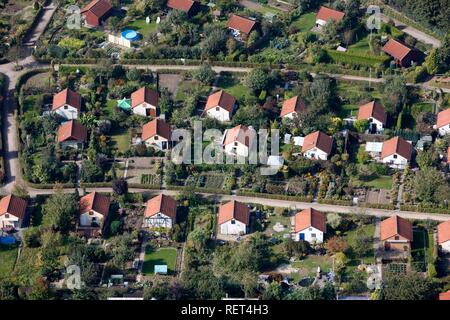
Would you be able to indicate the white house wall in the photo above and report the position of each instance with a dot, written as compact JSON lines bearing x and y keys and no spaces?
{"x":316,"y":154}
{"x":234,"y":229}
{"x":309,"y":232}
{"x":67,"y":112}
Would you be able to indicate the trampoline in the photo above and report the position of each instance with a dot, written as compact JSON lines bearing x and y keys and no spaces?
{"x":130,"y":35}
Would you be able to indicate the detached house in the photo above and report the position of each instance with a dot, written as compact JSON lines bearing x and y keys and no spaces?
{"x":157,"y":134}
{"x":237,"y":140}
{"x":396,"y":152}
{"x":12,"y":212}
{"x":220,"y":106}
{"x":396,"y":234}
{"x":291,"y":107}
{"x":144,"y":102}
{"x":72,"y":134}
{"x":443,"y":122}
{"x":240,"y":27}
{"x":160,"y":212}
{"x":190,"y":7}
{"x":310,"y":225}
{"x":325,"y":14}
{"x":403,"y":55}
{"x":94,"y":210}
{"x":375,"y":114}
{"x":67,"y":104}
{"x":317,"y":145}
{"x":234,"y":218}
{"x":443,"y":236}
{"x":96,"y":12}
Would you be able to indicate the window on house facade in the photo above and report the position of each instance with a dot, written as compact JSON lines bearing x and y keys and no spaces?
{"x":91,"y":213}
{"x":7,"y":216}
{"x":233,"y":221}
{"x":217,"y":108}
{"x":155,"y":138}
{"x":397,"y":238}
{"x":313,"y":235}
{"x":66,"y":107}
{"x":395,"y":156}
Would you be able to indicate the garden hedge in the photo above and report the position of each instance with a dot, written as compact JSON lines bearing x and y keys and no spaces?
{"x":274,"y":196}
{"x":414,"y":208}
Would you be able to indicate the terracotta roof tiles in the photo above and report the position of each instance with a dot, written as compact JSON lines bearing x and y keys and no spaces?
{"x":161,"y":204}
{"x":318,"y":140}
{"x":396,"y":226}
{"x":220,"y":99}
{"x":310,"y":218}
{"x":242,"y":24}
{"x":13,"y":205}
{"x":373,"y":109}
{"x":95,"y":201}
{"x":326,"y":14}
{"x":72,"y":130}
{"x":397,"y":145}
{"x":234,"y":210}
{"x":156,"y":127}
{"x":68,"y":97}
{"x":294,"y":104}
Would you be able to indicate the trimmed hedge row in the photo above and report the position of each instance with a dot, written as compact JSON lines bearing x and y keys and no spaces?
{"x":335,"y":202}
{"x":274,"y":196}
{"x":23,"y":78}
{"x":199,"y":190}
{"x":387,"y":206}
{"x":50,"y":185}
{"x":424,"y":209}
{"x":356,"y":59}
{"x":144,"y":186}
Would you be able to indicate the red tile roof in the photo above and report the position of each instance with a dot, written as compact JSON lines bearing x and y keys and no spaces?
{"x":13,"y":205}
{"x":448,"y":155}
{"x":444,"y":295}
{"x":156,"y":127}
{"x":161,"y":203}
{"x":242,"y":24}
{"x":221,"y":99}
{"x":98,"y":7}
{"x":95,"y":201}
{"x":68,"y":97}
{"x":326,"y":14}
{"x":183,"y":5}
{"x":396,"y":226}
{"x":372,"y":109}
{"x":240,"y":133}
{"x":396,"y":49}
{"x":72,"y":130}
{"x":310,"y":218}
{"x":142,"y":95}
{"x":294,"y":104}
{"x":234,"y":210}
{"x":443,"y":118}
{"x":318,"y":140}
{"x":443,"y":232}
{"x":397,"y":145}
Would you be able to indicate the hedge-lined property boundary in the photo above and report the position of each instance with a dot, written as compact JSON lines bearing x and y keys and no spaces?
{"x":421,"y":209}
{"x":274,"y":196}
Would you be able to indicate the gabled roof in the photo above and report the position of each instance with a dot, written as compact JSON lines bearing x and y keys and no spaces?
{"x":98,"y":7}
{"x":161,"y":203}
{"x":183,"y":5}
{"x":448,"y":155}
{"x":234,"y":210}
{"x":372,"y":109}
{"x":68,"y":97}
{"x":318,"y":140}
{"x":220,"y":99}
{"x":156,"y":127}
{"x":240,"y":133}
{"x":72,"y":130}
{"x":13,"y":205}
{"x":397,"y":145}
{"x":326,"y":14}
{"x":294,"y":104}
{"x":95,"y":201}
{"x":310,"y":218}
{"x":242,"y":24}
{"x":443,"y":118}
{"x":396,"y":49}
{"x":396,"y":226}
{"x":142,"y":95}
{"x":443,"y":232}
{"x":444,"y":295}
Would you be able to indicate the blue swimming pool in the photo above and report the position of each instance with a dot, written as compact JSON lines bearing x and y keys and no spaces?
{"x":130,"y":35}
{"x":7,"y":240}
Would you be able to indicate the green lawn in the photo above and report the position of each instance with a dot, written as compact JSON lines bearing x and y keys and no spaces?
{"x":351,"y":236}
{"x":285,"y":221}
{"x":361,"y":47}
{"x":348,"y":110}
{"x":142,"y":27}
{"x":166,"y":256}
{"x":121,"y":139}
{"x":421,"y":249}
{"x":305,"y":22}
{"x":233,"y":86}
{"x":383,"y":182}
{"x":308,"y":266}
{"x":8,"y":254}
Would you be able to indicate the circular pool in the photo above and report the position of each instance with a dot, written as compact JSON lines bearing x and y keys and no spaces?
{"x":130,"y":35}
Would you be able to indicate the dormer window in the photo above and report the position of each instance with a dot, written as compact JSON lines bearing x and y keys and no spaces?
{"x":66,"y":107}
{"x":233,"y":221}
{"x":156,"y":138}
{"x":395,"y":156}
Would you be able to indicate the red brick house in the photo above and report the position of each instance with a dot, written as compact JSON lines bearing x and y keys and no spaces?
{"x":96,"y":12}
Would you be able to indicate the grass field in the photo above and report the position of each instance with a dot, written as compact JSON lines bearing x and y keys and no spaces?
{"x":166,"y":256}
{"x":305,"y":22}
{"x":142,"y":27}
{"x":351,"y":236}
{"x":121,"y":140}
{"x":308,"y":266}
{"x":233,"y":86}
{"x":285,"y":221}
{"x":8,"y":254}
{"x":421,"y":249}
{"x":383,"y":182}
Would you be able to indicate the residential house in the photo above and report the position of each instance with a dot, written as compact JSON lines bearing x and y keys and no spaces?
{"x":157,"y":134}
{"x":375,"y":114}
{"x":190,"y":7}
{"x":94,"y":210}
{"x":448,"y":156}
{"x":443,"y":122}
{"x":13,"y":212}
{"x":72,"y":134}
{"x":325,"y":14}
{"x":443,"y":236}
{"x":291,"y":107}
{"x":67,"y":104}
{"x":220,"y":106}
{"x":237,"y":140}
{"x":234,"y":218}
{"x":96,"y":12}
{"x":403,"y":55}
{"x":160,"y":212}
{"x":310,"y":225}
{"x":317,"y":145}
{"x":241,"y":27}
{"x":144,"y":102}
{"x":444,"y":295}
{"x":396,"y":153}
{"x":396,"y":234}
